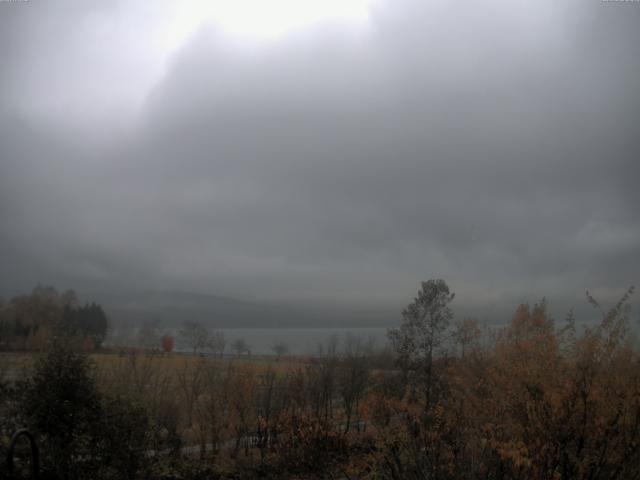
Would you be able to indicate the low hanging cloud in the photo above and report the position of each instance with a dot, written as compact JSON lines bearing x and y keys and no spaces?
{"x":494,"y":144}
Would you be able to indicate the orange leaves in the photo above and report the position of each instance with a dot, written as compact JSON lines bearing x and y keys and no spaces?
{"x":536,"y":402}
{"x":466,"y":334}
{"x":167,"y":342}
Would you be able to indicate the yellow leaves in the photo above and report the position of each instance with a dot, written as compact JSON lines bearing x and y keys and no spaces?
{"x":514,"y":451}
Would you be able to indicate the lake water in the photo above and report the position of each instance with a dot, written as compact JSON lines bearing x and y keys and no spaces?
{"x":301,"y":340}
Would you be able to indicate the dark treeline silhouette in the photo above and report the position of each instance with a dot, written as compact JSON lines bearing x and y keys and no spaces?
{"x":447,"y":400}
{"x":29,"y":322}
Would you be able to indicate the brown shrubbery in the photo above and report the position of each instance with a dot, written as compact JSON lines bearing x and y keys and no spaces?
{"x":529,"y":400}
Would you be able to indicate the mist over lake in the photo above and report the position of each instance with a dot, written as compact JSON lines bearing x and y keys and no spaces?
{"x":302,"y":341}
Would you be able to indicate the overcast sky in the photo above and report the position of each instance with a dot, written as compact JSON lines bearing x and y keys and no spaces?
{"x":322,"y":151}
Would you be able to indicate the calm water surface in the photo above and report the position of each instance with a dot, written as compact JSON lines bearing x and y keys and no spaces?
{"x":301,"y":340}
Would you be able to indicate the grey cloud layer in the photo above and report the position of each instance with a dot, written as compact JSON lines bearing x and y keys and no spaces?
{"x":493,"y":143}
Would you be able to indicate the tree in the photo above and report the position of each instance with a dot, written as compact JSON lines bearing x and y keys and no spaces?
{"x":421,"y":334}
{"x":148,"y":337}
{"x":61,"y":403}
{"x":217,"y":343}
{"x":88,"y":321}
{"x":84,"y":433}
{"x":195,"y":336}
{"x":97,"y":324}
{"x":280,"y":349}
{"x":240,"y":346}
{"x":167,"y":343}
{"x":122,"y":439}
{"x":69,"y":298}
{"x":26,"y":314}
{"x":31,"y":321}
{"x":353,"y":378}
{"x":466,"y":333}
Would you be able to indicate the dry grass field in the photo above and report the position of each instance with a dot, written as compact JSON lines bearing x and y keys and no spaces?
{"x":12,"y":362}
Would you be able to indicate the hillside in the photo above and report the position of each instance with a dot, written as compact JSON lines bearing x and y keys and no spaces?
{"x":172,"y":308}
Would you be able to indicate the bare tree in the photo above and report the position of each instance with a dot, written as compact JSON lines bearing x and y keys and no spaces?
{"x":321,"y":376}
{"x":353,"y":377}
{"x":217,"y":343}
{"x":211,"y":407}
{"x":191,"y":381}
{"x":240,"y":346}
{"x":268,"y":405}
{"x":194,"y":336}
{"x":280,"y":349}
{"x":148,"y":337}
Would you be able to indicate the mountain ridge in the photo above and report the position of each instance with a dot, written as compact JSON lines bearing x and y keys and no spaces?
{"x":171,"y":308}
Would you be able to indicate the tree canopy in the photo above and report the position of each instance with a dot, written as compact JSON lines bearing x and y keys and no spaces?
{"x":30,"y":322}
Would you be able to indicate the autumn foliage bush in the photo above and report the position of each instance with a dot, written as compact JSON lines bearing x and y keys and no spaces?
{"x":530,"y":400}
{"x":539,"y":402}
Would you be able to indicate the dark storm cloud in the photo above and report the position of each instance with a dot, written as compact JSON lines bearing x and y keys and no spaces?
{"x":493,"y":143}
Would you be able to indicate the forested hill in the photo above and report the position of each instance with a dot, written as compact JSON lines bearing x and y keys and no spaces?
{"x":172,"y":308}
